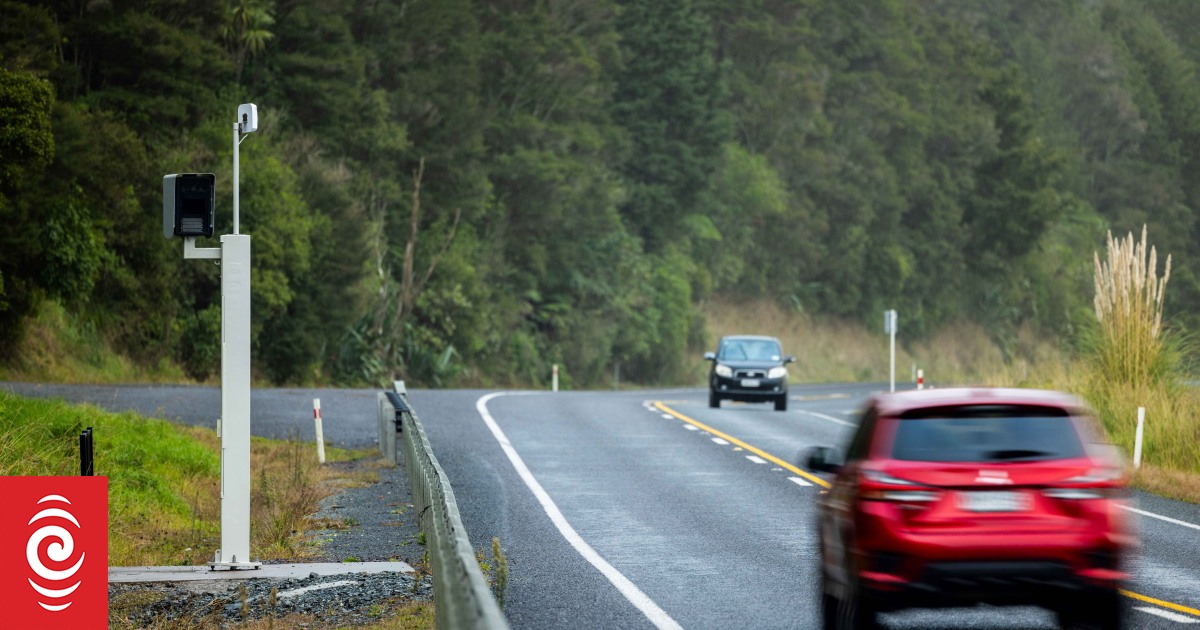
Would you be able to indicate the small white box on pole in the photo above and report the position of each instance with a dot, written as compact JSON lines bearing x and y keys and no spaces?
{"x":1137,"y":441}
{"x":320,"y":433}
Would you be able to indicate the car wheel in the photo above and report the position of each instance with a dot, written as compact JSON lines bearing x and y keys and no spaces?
{"x":714,"y":400}
{"x":829,"y":606}
{"x":856,"y":611}
{"x":781,"y":403}
{"x":1100,"y":611}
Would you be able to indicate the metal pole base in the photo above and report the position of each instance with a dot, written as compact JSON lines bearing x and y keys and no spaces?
{"x":234,"y":565}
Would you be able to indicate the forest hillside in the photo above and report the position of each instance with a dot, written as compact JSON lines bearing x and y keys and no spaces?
{"x":471,"y":190}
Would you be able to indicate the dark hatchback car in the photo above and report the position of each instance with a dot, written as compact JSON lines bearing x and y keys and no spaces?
{"x":748,"y":368}
{"x":955,"y":497}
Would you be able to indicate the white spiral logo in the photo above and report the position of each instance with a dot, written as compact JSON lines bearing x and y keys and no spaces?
{"x":59,"y":551}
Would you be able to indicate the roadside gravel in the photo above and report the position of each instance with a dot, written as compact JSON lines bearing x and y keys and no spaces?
{"x":372,"y":523}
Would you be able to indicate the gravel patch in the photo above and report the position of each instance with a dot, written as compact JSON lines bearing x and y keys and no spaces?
{"x":381,"y":524}
{"x":337,"y":600}
{"x":365,"y":524}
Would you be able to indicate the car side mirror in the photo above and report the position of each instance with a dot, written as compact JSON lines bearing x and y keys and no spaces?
{"x":710,"y":356}
{"x":789,"y":359}
{"x":824,"y":459}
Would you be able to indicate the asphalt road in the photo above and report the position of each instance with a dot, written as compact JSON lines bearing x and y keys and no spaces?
{"x":618,"y":512}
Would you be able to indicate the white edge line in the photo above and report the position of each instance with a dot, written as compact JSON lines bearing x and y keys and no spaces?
{"x":1160,"y":517}
{"x":829,"y":418}
{"x":656,"y":615}
{"x":1166,"y":614}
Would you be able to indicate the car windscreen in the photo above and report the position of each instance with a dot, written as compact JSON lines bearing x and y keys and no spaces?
{"x":986,"y":433}
{"x":750,"y":350}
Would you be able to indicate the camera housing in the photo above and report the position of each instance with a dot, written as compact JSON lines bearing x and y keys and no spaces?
{"x":248,"y":117}
{"x":189,"y":204}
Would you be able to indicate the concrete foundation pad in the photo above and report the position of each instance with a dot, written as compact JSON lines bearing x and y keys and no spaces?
{"x":281,"y":571}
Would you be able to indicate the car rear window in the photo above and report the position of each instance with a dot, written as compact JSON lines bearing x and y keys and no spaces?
{"x":986,"y":433}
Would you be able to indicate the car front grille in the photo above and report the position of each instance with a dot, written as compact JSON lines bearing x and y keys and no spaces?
{"x":750,"y":373}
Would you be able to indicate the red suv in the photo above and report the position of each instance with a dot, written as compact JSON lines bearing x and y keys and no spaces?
{"x":955,"y":497}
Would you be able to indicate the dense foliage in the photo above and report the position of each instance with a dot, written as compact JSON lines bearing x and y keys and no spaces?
{"x":471,"y":190}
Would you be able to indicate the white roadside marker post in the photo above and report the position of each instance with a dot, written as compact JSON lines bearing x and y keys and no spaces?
{"x":1137,"y":441}
{"x":920,"y":379}
{"x":320,"y":433}
{"x":889,"y":327}
{"x":554,"y":378}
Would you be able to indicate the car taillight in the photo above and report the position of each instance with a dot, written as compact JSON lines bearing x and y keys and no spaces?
{"x":880,"y":486}
{"x":1098,"y":483}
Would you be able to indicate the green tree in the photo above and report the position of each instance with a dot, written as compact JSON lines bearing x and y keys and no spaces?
{"x":26,"y":150}
{"x":668,"y":96}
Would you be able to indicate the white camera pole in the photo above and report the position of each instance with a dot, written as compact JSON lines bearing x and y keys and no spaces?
{"x":234,"y":427}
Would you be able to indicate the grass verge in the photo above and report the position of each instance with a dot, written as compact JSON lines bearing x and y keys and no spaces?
{"x":164,"y":499}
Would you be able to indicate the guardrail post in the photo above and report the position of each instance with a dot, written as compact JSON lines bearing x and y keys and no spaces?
{"x":381,"y":405}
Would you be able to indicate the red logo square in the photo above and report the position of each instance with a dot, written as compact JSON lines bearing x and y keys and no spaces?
{"x":54,"y":550}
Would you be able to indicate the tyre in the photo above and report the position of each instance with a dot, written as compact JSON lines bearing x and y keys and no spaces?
{"x":856,"y":611}
{"x":1104,"y":610}
{"x":714,"y":400}
{"x":781,"y":403}
{"x":829,"y":607}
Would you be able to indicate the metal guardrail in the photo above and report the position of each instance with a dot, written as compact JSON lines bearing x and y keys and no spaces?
{"x":462,"y":597}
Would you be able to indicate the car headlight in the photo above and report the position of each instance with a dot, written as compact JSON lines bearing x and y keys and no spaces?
{"x":723,"y":370}
{"x":777,"y":372}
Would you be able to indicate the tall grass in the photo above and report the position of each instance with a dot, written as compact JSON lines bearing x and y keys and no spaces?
{"x":1133,"y":362}
{"x":63,"y":347}
{"x":1129,"y":303}
{"x":840,"y":351}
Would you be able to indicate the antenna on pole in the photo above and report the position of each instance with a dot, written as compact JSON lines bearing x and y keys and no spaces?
{"x":247,"y":122}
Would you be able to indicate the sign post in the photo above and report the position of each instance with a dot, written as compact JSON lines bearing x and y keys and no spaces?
{"x":234,"y":425}
{"x":889,"y":327}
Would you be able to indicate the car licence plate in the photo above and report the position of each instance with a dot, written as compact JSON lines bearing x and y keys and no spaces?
{"x":750,"y":382}
{"x":994,"y":501}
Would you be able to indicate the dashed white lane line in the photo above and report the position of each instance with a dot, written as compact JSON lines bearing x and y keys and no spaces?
{"x":799,"y":482}
{"x":667,"y":416}
{"x":651,"y":610}
{"x":1161,"y":517}
{"x":756,"y":459}
{"x":690,"y":427}
{"x":1166,"y":614}
{"x":829,"y":418}
{"x":720,"y":441}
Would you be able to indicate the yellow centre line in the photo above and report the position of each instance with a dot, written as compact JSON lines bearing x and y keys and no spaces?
{"x":757,"y":451}
{"x":1159,"y":602}
{"x":825,"y":484}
